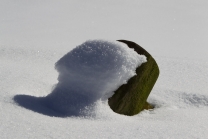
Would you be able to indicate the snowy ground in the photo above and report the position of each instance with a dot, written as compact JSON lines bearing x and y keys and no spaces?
{"x":35,"y":35}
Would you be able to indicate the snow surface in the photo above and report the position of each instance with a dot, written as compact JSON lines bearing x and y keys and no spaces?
{"x":35,"y":35}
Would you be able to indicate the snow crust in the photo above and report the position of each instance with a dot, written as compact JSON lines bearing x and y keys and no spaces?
{"x":92,"y":71}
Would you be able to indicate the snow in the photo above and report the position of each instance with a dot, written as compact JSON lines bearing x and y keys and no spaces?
{"x":35,"y":35}
{"x":89,"y":73}
{"x":92,"y":71}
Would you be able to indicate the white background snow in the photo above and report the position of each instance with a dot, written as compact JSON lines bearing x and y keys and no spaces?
{"x":34,"y":35}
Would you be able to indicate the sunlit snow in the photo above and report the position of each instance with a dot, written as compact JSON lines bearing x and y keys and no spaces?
{"x":34,"y":35}
{"x":87,"y":74}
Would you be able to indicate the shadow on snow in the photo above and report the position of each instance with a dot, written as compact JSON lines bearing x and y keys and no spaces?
{"x":36,"y":104}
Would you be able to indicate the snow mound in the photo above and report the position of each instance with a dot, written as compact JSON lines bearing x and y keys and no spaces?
{"x":92,"y":71}
{"x":88,"y":76}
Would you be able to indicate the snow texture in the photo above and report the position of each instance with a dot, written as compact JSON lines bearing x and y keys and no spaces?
{"x":36,"y":34}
